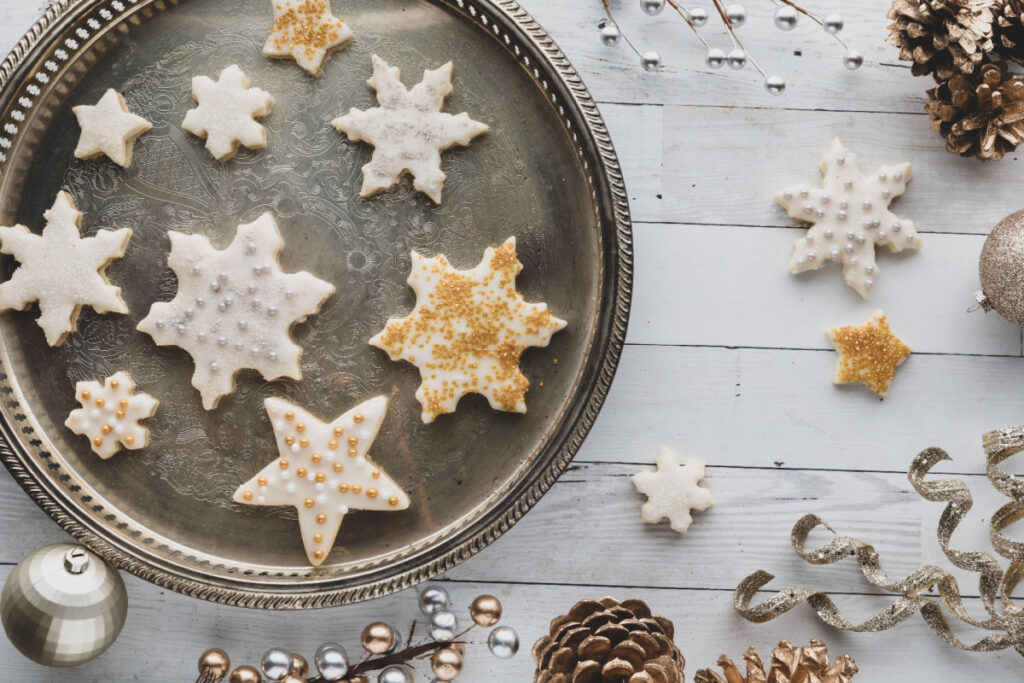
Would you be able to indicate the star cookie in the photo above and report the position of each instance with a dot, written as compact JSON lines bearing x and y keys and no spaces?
{"x":408,"y":130}
{"x":868,"y":353}
{"x":234,"y":307}
{"x":850,"y":215}
{"x":62,"y":270}
{"x":226,"y":113}
{"x":672,"y":491}
{"x":323,"y":471}
{"x":108,"y":128}
{"x":467,"y":331}
{"x":110,"y":414}
{"x":306,"y":31}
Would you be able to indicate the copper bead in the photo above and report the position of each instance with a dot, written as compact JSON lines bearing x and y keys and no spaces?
{"x":485,"y":610}
{"x":292,"y":678}
{"x":377,"y":638}
{"x":215,"y":662}
{"x":446,"y":664}
{"x":245,"y":674}
{"x":300,"y":667}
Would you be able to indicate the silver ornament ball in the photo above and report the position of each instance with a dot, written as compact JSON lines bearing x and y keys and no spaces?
{"x":62,"y":605}
{"x":736,"y":59}
{"x":853,"y":60}
{"x":331,"y":661}
{"x":395,"y":674}
{"x":698,"y":16}
{"x":610,"y":34}
{"x":396,"y":641}
{"x":276,"y":663}
{"x":650,"y":60}
{"x":715,"y":58}
{"x":652,"y":7}
{"x":737,"y":15}
{"x":833,"y":23}
{"x":434,"y":598}
{"x":503,"y":642}
{"x":775,"y":85}
{"x":786,"y":18}
{"x":1001,"y":268}
{"x":443,"y":625}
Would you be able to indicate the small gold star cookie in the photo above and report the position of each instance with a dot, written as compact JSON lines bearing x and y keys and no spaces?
{"x":108,"y":128}
{"x":868,"y":353}
{"x":307,"y":31}
{"x":110,"y":414}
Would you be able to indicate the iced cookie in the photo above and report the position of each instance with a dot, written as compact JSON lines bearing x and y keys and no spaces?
{"x":226,"y":113}
{"x":234,"y":307}
{"x":467,"y":331}
{"x":408,"y":130}
{"x":108,"y":128}
{"x":307,"y":31}
{"x":323,"y":471}
{"x":672,"y":491}
{"x":110,"y":414}
{"x":62,"y":270}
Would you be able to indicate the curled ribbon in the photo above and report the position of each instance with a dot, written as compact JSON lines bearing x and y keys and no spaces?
{"x":1005,"y":620}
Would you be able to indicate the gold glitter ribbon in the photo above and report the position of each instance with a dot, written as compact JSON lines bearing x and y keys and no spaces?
{"x":1005,"y":620}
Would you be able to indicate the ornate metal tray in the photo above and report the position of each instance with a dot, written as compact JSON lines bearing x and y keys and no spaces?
{"x":546,"y":173}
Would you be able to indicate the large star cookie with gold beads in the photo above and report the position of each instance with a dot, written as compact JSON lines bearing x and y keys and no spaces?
{"x":110,"y":414}
{"x":108,"y":128}
{"x":467,"y":331}
{"x":235,"y":307}
{"x":408,"y":130}
{"x":672,"y":491}
{"x":850,"y":215}
{"x":226,"y":113}
{"x":323,"y":471}
{"x":62,"y":270}
{"x":868,"y":353}
{"x":307,"y":31}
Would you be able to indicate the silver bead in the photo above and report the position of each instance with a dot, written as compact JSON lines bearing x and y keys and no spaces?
{"x":841,"y":215}
{"x":828,"y":234}
{"x":331,"y":661}
{"x":853,"y":60}
{"x":443,"y":625}
{"x":243,"y":325}
{"x":737,"y":15}
{"x":610,"y":34}
{"x":250,"y":247}
{"x":861,"y":239}
{"x":715,"y":58}
{"x":698,"y":17}
{"x":869,"y":269}
{"x":775,"y":85}
{"x":433,"y":598}
{"x":276,"y":663}
{"x":808,"y":208}
{"x":834,"y":254}
{"x":867,"y":204}
{"x":898,"y":175}
{"x":850,"y":235}
{"x":215,"y":286}
{"x":214,"y":367}
{"x":271,"y":311}
{"x":650,"y":60}
{"x":881,"y":236}
{"x":652,"y":7}
{"x":833,"y":23}
{"x":222,"y":341}
{"x":848,"y":248}
{"x":786,"y":18}
{"x":811,"y":256}
{"x":896,"y":227}
{"x":737,"y":58}
{"x":886,"y":194}
{"x":200,"y":301}
{"x":824,"y":199}
{"x":272,"y":355}
{"x":875,"y":223}
{"x":503,"y":642}
{"x":395,"y":674}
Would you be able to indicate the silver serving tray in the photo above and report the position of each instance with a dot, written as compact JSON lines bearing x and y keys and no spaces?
{"x":546,"y":173}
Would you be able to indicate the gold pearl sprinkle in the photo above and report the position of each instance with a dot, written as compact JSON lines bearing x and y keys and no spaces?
{"x":309,"y":502}
{"x":300,"y":427}
{"x":114,"y":384}
{"x":356,"y":488}
{"x":376,"y":474}
{"x":343,"y":488}
{"x":97,"y":440}
{"x":318,"y":537}
{"x":129,"y":440}
{"x":316,"y":457}
{"x":262,"y":481}
{"x":283,"y":464}
{"x":352,"y":452}
{"x":289,"y":415}
{"x":338,"y":431}
{"x":100,"y":402}
{"x":289,"y":439}
{"x":303,"y":442}
{"x":338,"y":467}
{"x":393,"y":501}
{"x":357,"y":418}
{"x":106,"y":429}
{"x":86,"y":395}
{"x":332,"y":444}
{"x":301,"y":472}
{"x":123,"y":403}
{"x":246,"y":495}
{"x":371,"y":493}
{"x":352,"y":440}
{"x":318,"y":554}
{"x":119,"y":414}
{"x":320,"y":477}
{"x":321,"y":518}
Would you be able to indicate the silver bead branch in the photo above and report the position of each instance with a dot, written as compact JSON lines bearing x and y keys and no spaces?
{"x":733,"y":16}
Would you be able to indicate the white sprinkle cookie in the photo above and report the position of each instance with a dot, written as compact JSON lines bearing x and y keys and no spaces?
{"x":672,"y":491}
{"x":306,"y":31}
{"x":108,"y":128}
{"x":110,"y":414}
{"x":234,"y":307}
{"x":850,"y":215}
{"x":323,"y":471}
{"x":62,"y":270}
{"x":467,"y":331}
{"x":226,"y":113}
{"x":408,"y":130}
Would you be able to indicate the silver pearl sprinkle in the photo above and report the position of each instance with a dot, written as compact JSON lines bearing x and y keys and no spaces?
{"x":841,"y":215}
{"x":271,"y":311}
{"x":200,"y":301}
{"x":804,"y":193}
{"x":834,"y":254}
{"x":828,"y":234}
{"x":222,"y":341}
{"x":841,"y":161}
{"x":844,"y":204}
{"x":215,"y":286}
{"x":896,"y":227}
{"x":848,"y":248}
{"x":867,"y":205}
{"x":848,"y":184}
{"x":825,"y":199}
{"x":882,"y":236}
{"x":214,"y":367}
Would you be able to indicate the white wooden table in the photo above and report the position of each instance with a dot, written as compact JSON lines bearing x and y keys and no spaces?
{"x":727,"y":359}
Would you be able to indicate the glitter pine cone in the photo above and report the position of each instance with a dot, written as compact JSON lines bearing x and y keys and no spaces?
{"x":788,"y":663}
{"x":942,"y":37}
{"x":1008,"y":30}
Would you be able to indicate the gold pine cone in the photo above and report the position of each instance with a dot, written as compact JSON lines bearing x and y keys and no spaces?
{"x":944,"y":37}
{"x":1008,"y":30}
{"x":608,"y":641}
{"x":788,"y":664}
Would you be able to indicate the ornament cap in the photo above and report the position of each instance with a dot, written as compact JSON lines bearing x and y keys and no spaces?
{"x":76,"y":560}
{"x":984,"y":303}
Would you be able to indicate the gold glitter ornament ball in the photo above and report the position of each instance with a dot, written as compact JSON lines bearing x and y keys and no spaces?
{"x":1001,"y":269}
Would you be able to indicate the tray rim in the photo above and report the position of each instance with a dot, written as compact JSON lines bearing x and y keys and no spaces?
{"x":611,"y":205}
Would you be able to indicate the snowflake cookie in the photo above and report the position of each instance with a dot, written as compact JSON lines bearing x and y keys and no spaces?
{"x":408,"y":130}
{"x":467,"y":331}
{"x":868,"y":353}
{"x":110,"y":414}
{"x":307,"y":31}
{"x":672,"y":491}
{"x":850,"y":215}
{"x":323,"y":471}
{"x":62,"y":270}
{"x":226,"y":113}
{"x":234,"y":307}
{"x":108,"y":128}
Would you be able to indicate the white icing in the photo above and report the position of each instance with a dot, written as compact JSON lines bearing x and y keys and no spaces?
{"x":850,"y":215}
{"x":672,"y":491}
{"x":467,"y":331}
{"x":323,"y":446}
{"x":306,"y":31}
{"x":408,"y":130}
{"x":108,"y":128}
{"x":62,"y":270}
{"x":226,"y":113}
{"x":114,"y":411}
{"x":228,"y":284}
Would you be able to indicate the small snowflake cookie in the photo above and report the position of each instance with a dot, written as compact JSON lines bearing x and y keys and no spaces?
{"x":467,"y":331}
{"x":234,"y":307}
{"x":868,"y":353}
{"x":323,"y":471}
{"x":62,"y":270}
{"x":110,"y":414}
{"x":672,"y":491}
{"x":408,"y":130}
{"x":306,"y":31}
{"x":850,"y":215}
{"x":226,"y":113}
{"x":108,"y":128}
